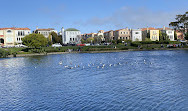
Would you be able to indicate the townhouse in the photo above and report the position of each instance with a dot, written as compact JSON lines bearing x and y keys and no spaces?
{"x":136,"y":35}
{"x":45,"y":32}
{"x":168,"y":31}
{"x":12,"y":36}
{"x":109,"y":36}
{"x":70,"y":36}
{"x":151,"y":33}
{"x":123,"y":34}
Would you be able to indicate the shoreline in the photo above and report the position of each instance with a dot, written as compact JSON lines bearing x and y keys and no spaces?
{"x":107,"y":51}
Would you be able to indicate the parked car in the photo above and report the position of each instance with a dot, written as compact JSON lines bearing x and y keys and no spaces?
{"x":20,"y":45}
{"x":56,"y":45}
{"x":88,"y":44}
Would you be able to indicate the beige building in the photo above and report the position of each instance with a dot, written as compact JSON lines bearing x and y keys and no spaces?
{"x":123,"y":34}
{"x":151,"y":33}
{"x":109,"y":36}
{"x":45,"y":32}
{"x":12,"y":36}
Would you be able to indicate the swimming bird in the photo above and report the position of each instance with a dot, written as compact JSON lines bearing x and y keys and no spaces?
{"x":110,"y":65}
{"x":66,"y":66}
{"x":60,"y":63}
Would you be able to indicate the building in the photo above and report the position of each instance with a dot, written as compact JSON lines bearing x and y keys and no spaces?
{"x":180,"y":35}
{"x":151,"y":33}
{"x":109,"y":36}
{"x":168,"y":31}
{"x":71,"y":36}
{"x":45,"y":32}
{"x":12,"y":36}
{"x":123,"y":34}
{"x":136,"y":35}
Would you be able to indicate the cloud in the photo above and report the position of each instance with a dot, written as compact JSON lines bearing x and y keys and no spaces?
{"x":134,"y":18}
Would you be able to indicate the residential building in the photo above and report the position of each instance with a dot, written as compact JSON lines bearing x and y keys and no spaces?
{"x":180,"y":35}
{"x":151,"y":33}
{"x":168,"y":31}
{"x":71,"y":36}
{"x":136,"y":35}
{"x":109,"y":36}
{"x":12,"y":36}
{"x":45,"y":32}
{"x":123,"y":34}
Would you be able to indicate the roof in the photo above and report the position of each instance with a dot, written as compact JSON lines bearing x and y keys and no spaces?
{"x":45,"y":29}
{"x":71,"y":29}
{"x":166,"y":28}
{"x":150,"y":28}
{"x":13,"y":28}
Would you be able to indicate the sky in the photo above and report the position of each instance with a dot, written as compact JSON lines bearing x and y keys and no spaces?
{"x":90,"y":15}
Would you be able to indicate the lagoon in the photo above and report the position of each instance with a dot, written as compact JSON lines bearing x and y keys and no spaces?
{"x":118,"y":81}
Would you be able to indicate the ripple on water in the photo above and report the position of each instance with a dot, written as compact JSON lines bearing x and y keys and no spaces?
{"x":135,"y":81}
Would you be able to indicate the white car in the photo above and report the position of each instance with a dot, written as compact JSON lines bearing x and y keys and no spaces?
{"x":20,"y":45}
{"x":56,"y":45}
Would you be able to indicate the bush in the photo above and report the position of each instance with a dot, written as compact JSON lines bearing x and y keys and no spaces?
{"x":135,"y":44}
{"x":4,"y":53}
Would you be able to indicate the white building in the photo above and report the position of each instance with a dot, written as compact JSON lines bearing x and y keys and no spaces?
{"x":12,"y":36}
{"x":45,"y":32}
{"x":169,"y":32}
{"x":136,"y":35}
{"x":70,"y":36}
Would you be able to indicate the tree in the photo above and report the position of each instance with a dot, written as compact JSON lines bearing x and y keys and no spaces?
{"x":186,"y":35}
{"x":35,"y":40}
{"x":119,"y":41}
{"x":55,"y":38}
{"x":97,"y":39}
{"x":90,"y":40}
{"x":83,"y":41}
{"x":181,"y":23}
{"x":175,"y":35}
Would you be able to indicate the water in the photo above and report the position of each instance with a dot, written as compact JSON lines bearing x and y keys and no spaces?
{"x":123,"y":81}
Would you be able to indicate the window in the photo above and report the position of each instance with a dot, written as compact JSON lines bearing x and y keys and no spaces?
{"x":137,"y":33}
{"x":18,"y":33}
{"x":73,"y":39}
{"x":9,"y":31}
{"x":70,"y":39}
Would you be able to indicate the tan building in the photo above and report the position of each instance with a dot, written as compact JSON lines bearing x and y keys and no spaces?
{"x":12,"y":36}
{"x":151,"y":33}
{"x":123,"y":34}
{"x":109,"y":36}
{"x":180,"y":35}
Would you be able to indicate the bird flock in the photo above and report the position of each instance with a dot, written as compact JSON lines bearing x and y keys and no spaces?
{"x":102,"y":65}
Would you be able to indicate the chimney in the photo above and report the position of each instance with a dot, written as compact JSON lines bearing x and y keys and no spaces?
{"x":163,"y":27}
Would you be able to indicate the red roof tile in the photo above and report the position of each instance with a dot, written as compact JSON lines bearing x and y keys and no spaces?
{"x":13,"y":28}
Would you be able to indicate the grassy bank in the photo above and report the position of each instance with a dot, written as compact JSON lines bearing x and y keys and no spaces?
{"x":6,"y":52}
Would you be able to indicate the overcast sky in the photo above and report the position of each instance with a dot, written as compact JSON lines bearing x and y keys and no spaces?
{"x":90,"y":15}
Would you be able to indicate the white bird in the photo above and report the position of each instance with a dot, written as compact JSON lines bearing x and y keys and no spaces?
{"x":110,"y":65}
{"x":97,"y":66}
{"x":60,"y":63}
{"x":66,"y":66}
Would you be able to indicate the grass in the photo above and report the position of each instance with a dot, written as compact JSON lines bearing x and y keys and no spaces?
{"x":13,"y":51}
